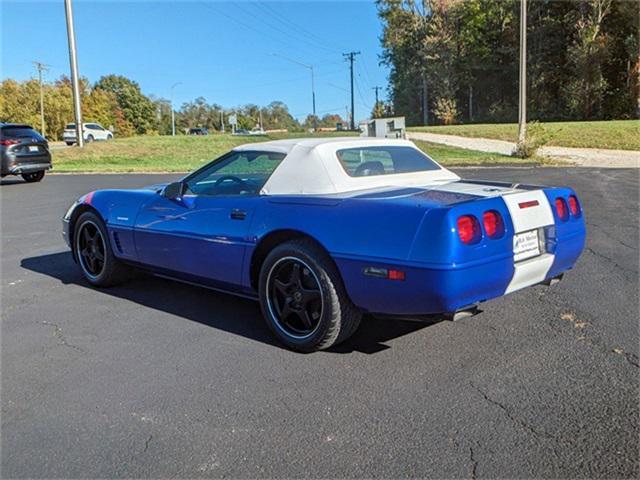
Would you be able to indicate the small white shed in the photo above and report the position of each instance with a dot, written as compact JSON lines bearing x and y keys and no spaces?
{"x":392,"y":127}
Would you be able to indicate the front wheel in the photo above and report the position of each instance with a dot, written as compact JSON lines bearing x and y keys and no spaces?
{"x":95,"y":256}
{"x":303,"y":299}
{"x":33,"y":177}
{"x":109,"y":137}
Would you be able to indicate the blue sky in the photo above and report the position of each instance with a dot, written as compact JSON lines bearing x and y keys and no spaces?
{"x":223,"y":51}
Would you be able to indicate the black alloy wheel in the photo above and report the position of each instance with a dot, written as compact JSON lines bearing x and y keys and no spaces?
{"x":303,"y":299}
{"x":94,"y":254}
{"x":295,"y":297}
{"x":91,"y":249}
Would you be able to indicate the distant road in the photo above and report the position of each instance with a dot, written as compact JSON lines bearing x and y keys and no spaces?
{"x":583,"y":157}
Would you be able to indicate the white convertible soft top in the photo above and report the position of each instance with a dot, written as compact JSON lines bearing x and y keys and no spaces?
{"x":312,"y":167}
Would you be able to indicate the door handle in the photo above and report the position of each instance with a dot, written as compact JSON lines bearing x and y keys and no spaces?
{"x":237,"y":214}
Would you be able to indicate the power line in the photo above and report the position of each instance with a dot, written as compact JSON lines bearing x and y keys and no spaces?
{"x":291,"y":24}
{"x":276,"y":28}
{"x":362,"y":100}
{"x":41,"y":67}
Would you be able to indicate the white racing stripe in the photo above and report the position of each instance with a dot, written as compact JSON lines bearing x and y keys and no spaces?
{"x":529,"y":218}
{"x":481,"y":190}
{"x":530,"y":272}
{"x":534,"y":270}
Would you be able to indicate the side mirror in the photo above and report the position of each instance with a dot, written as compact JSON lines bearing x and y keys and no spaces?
{"x":174,"y":191}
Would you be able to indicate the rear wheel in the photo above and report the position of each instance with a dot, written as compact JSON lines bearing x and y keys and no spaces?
{"x":90,"y":139}
{"x":32,"y":177}
{"x":93,"y":250}
{"x":303,"y":299}
{"x":69,"y":143}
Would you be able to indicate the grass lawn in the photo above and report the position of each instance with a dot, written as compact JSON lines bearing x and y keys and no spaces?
{"x":616,"y":134}
{"x":186,"y":153}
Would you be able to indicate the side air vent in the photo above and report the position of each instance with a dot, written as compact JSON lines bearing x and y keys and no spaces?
{"x":116,"y":241}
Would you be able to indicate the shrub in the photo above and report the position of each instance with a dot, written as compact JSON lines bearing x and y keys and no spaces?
{"x":535,"y":137}
{"x":446,"y":110}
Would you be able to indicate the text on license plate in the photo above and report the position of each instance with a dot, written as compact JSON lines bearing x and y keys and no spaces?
{"x":33,"y":148}
{"x":526,"y":245}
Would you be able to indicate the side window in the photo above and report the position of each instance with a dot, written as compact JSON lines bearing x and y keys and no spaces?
{"x":237,"y":173}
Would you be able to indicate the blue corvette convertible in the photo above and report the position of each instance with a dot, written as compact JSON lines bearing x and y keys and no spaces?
{"x":321,"y":231}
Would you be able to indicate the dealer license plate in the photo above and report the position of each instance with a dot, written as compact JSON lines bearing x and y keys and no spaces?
{"x":33,"y":148}
{"x":526,"y":245}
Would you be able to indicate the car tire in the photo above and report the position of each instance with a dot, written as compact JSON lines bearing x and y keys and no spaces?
{"x":109,"y":137}
{"x":93,"y":251}
{"x":69,"y":143}
{"x":33,"y":177}
{"x":303,"y":299}
{"x":90,"y":138}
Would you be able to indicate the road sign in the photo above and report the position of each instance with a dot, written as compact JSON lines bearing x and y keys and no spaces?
{"x":233,"y":120}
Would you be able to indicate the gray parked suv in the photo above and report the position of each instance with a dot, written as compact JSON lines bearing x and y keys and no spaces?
{"x":23,"y":151}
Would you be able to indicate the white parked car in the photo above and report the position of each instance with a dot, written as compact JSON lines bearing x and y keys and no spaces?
{"x":90,"y":132}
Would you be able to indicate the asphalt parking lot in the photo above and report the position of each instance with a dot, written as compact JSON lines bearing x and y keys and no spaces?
{"x":159,"y":379}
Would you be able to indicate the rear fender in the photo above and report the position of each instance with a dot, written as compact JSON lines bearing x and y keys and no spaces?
{"x":437,"y":242}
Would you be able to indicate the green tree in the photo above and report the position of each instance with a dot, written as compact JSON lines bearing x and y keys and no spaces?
{"x":137,"y":109}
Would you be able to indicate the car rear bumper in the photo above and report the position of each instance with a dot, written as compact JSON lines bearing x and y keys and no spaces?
{"x":16,"y":165}
{"x":447,"y":289}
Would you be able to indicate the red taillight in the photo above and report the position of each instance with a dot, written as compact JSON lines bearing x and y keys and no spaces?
{"x":8,"y":141}
{"x":574,"y":206}
{"x":468,"y":228}
{"x":493,"y":225}
{"x":395,"y":275}
{"x":561,"y":208}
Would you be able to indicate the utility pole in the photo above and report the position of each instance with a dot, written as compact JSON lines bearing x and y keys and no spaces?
{"x":351,"y":57}
{"x":522,"y":80}
{"x":222,"y":121}
{"x":73,"y":60}
{"x":425,"y":101}
{"x":376,"y":90}
{"x":41,"y":67}
{"x":173,"y":114}
{"x":375,"y":106}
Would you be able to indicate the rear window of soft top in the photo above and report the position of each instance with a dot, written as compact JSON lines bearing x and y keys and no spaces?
{"x":384,"y":160}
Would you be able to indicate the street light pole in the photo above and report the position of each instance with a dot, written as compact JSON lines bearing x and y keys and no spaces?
{"x":173,"y":115}
{"x":522,"y":80}
{"x":313,"y":84}
{"x":41,"y":67}
{"x":73,"y":60}
{"x":313,"y":95}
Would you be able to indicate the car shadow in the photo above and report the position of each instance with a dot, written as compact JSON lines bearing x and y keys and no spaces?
{"x":217,"y":310}
{"x":12,"y":181}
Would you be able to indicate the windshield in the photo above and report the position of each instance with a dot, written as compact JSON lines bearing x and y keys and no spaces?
{"x":384,"y":160}
{"x":237,"y":173}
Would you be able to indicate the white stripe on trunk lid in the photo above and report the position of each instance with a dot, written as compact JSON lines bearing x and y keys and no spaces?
{"x":528,"y":218}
